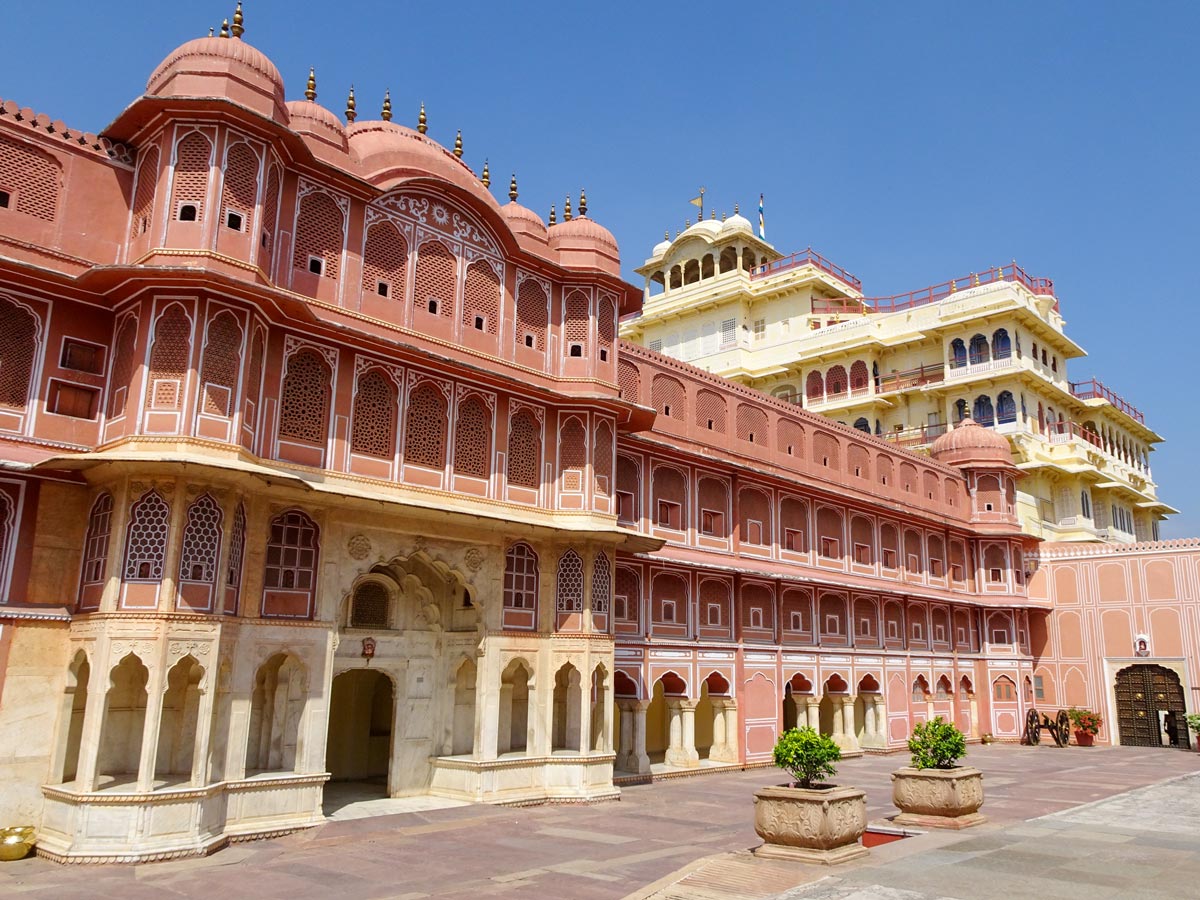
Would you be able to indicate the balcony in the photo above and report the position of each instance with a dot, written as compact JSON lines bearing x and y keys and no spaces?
{"x":806,"y":257}
{"x":963,"y":369}
{"x":1042,"y":287}
{"x":916,"y":438}
{"x":912,"y":378}
{"x":1095,"y":390}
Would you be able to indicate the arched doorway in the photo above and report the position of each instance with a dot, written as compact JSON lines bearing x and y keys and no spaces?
{"x":1150,"y":707}
{"x":361,"y":722}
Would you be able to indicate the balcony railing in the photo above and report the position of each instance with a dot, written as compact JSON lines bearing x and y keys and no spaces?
{"x":912,"y":378}
{"x":1093,"y":389}
{"x":806,"y":257}
{"x":915,"y":437}
{"x":1061,"y":432}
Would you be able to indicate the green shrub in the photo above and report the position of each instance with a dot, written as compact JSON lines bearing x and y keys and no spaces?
{"x":1193,"y":720}
{"x":936,"y":745}
{"x":808,"y":756}
{"x":1085,"y":720}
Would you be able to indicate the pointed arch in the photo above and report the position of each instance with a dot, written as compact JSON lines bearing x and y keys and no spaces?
{"x":193,"y":160}
{"x":201,"y":541}
{"x":320,"y":234}
{"x":146,"y":538}
{"x":473,"y":438}
{"x":425,"y":432}
{"x":481,"y":298}
{"x":20,"y":332}
{"x":434,"y":290}
{"x":373,"y":420}
{"x":304,"y":397}
{"x":385,"y":262}
{"x":222,"y":361}
{"x":169,"y":353}
{"x":524,"y":461}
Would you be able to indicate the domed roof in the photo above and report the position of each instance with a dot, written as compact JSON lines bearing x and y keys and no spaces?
{"x":524,"y":220}
{"x":307,"y":117}
{"x":221,"y":67}
{"x":969,"y":444}
{"x":584,"y":242}
{"x":661,"y":247}
{"x":736,"y":222}
{"x":709,"y":227}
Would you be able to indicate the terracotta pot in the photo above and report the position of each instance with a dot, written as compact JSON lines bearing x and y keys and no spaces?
{"x":818,"y":825}
{"x":938,"y":798}
{"x":1084,"y":738}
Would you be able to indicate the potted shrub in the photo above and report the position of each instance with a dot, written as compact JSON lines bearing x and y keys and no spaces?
{"x":1086,"y":724}
{"x":1193,"y":723}
{"x":808,"y":820}
{"x":935,"y":791}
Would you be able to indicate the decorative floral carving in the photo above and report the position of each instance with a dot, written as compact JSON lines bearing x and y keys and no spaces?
{"x":474,"y":559}
{"x":939,"y":797}
{"x":359,"y":546}
{"x":812,"y":824}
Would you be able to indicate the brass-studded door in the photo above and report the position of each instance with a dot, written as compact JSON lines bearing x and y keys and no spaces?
{"x":1143,"y":691}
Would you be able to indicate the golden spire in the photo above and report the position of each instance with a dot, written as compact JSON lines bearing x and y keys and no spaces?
{"x":687,"y":223}
{"x":582,"y":202}
{"x":736,"y":211}
{"x":421,"y":124}
{"x":458,"y":144}
{"x":210,"y":31}
{"x":714,"y":215}
{"x":351,"y":107}
{"x":387,"y":106}
{"x":722,"y":216}
{"x":567,"y":209}
{"x":310,"y":91}
{"x":238,"y":21}
{"x":666,"y":234}
{"x":512,"y":188}
{"x":553,"y":217}
{"x":224,"y":28}
{"x":676,"y":233}
{"x":486,"y":178}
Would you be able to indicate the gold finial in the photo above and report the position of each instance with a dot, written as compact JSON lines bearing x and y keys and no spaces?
{"x":224,"y":28}
{"x":458,"y":144}
{"x":567,"y":209}
{"x":512,"y":188}
{"x":953,"y":285}
{"x":422,"y":126}
{"x":714,"y":215}
{"x":210,"y":32}
{"x":310,"y":92}
{"x":666,"y":234}
{"x":999,"y":273}
{"x":553,"y":217}
{"x":975,"y":278}
{"x":582,"y":202}
{"x":722,"y":217}
{"x":687,"y":223}
{"x":238,"y":21}
{"x":387,"y":106}
{"x":351,"y":107}
{"x":486,"y":178}
{"x":735,"y":209}
{"x":677,"y":234}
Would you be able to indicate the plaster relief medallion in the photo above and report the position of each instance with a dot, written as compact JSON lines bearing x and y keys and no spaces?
{"x":179,"y":649}
{"x":359,"y":546}
{"x":474,"y":558}
{"x":419,"y":543}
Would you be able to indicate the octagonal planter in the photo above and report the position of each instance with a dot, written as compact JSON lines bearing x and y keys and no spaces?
{"x":813,"y":825}
{"x":938,"y":798}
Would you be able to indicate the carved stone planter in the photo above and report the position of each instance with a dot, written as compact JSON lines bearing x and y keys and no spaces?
{"x":811,"y":825}
{"x":938,"y":798}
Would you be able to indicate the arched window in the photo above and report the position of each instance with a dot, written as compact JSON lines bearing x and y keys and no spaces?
{"x":958,"y":353}
{"x":122,"y":370}
{"x":710,"y":411}
{"x":320,"y":236}
{"x":982,"y":411}
{"x":237,"y":556}
{"x":979,"y":352}
{"x":304,"y":398}
{"x":434,"y":291}
{"x":569,"y":587}
{"x":520,"y":577}
{"x":629,"y":379}
{"x":862,"y":425}
{"x":146,"y":538}
{"x":814,"y":387}
{"x":601,"y":584}
{"x":576,"y":324}
{"x":193,"y":157}
{"x":254,"y":382}
{"x":860,"y":379}
{"x":602,"y":456}
{"x":369,"y":606}
{"x":1001,"y":344}
{"x":667,"y":396}
{"x":425,"y":437}
{"x":385,"y":262}
{"x":1004,"y":689}
{"x":239,"y":189}
{"x":751,"y":424}
{"x":960,"y":410}
{"x":524,"y":449}
{"x":18,"y":347}
{"x":836,"y":383}
{"x":473,"y":438}
{"x":143,"y":198}
{"x":95,"y":551}
{"x":606,"y":326}
{"x":532,"y":316}
{"x":1006,"y":408}
{"x":291,"y":553}
{"x":169,"y":358}
{"x":222,"y":359}
{"x":373,"y":429}
{"x":201,"y":541}
{"x":481,"y":298}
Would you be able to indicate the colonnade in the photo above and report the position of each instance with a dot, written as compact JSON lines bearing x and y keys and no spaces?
{"x":681,"y":751}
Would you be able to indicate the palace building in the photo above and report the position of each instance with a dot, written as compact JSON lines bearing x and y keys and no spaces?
{"x":320,"y":464}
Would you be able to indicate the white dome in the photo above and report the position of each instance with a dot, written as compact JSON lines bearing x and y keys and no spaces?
{"x":737,"y":222}
{"x":710,"y":227}
{"x":660,"y":248}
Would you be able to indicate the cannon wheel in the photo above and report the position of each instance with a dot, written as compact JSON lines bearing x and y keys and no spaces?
{"x":1064,"y":728}
{"x":1033,"y":727}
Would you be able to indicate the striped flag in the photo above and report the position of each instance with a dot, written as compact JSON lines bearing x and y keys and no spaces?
{"x":762,"y":227}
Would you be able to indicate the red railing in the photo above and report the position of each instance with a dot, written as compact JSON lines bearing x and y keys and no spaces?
{"x":1064,"y":431}
{"x":915,"y":437}
{"x":903,"y":381}
{"x":806,"y":257}
{"x":1093,"y":389}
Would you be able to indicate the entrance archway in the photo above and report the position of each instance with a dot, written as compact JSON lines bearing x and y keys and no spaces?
{"x":361,"y":722}
{"x":1151,"y":707}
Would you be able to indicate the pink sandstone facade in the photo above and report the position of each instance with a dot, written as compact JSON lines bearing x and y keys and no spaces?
{"x":317,"y":462}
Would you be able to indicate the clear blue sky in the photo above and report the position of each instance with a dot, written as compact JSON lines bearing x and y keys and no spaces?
{"x":910,"y":143}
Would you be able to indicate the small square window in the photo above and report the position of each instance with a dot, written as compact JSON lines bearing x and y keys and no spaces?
{"x":862,"y":554}
{"x":316,"y":265}
{"x":529,"y":340}
{"x":187,"y":212}
{"x":756,"y":617}
{"x":888,"y":558}
{"x":82,"y":357}
{"x":956,"y":571}
{"x":432,"y":306}
{"x":382,"y":288}
{"x":996,"y":576}
{"x":480,"y":324}
{"x":5,"y":199}
{"x":603,"y":355}
{"x":233,"y":220}
{"x":577,"y":350}
{"x":714,"y":614}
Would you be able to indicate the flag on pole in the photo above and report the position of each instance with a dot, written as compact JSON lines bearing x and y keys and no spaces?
{"x":762,"y":228}
{"x":697,"y":201}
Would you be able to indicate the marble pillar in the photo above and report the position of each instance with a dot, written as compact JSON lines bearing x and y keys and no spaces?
{"x":639,"y":761}
{"x":849,"y":738}
{"x":813,"y":706}
{"x":726,"y":751}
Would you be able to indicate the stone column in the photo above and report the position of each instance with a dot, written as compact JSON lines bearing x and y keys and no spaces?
{"x":727,"y":751}
{"x":575,"y":734}
{"x":717,"y":751}
{"x":881,"y":729}
{"x":850,"y":738}
{"x":687,"y":710}
{"x":154,"y":699}
{"x":974,"y":707}
{"x":625,"y":737}
{"x":870,"y":738}
{"x":503,"y":721}
{"x":93,"y":720}
{"x":201,"y":754}
{"x":639,"y":761}
{"x":814,"y":713}
{"x":681,"y":749}
{"x":838,"y":735}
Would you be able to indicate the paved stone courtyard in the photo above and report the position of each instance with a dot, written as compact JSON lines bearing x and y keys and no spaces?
{"x":1135,"y":845}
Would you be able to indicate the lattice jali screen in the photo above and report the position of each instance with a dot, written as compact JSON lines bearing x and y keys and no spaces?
{"x":532,"y":314}
{"x":667,"y":396}
{"x":629,"y":379}
{"x":201,"y":541}
{"x":473,"y":438}
{"x":436,"y":268}
{"x":790,"y":438}
{"x":602,"y":457}
{"x":320,"y":232}
{"x":193,"y":158}
{"x":369,"y":606}
{"x":859,"y":379}
{"x":169,"y":359}
{"x":825,"y":450}
{"x":575,"y":318}
{"x":239,"y":191}
{"x":146,"y":538}
{"x":481,"y":297}
{"x":291,"y":552}
{"x":95,"y":543}
{"x":569,"y":586}
{"x":520,"y":577}
{"x":374,"y":429}
{"x":254,"y":374}
{"x":606,"y":321}
{"x":304,"y":398}
{"x":751,"y":423}
{"x":34,"y":176}
{"x":572,"y":453}
{"x":710,"y":408}
{"x":123,"y":363}
{"x":271,"y":209}
{"x":524,"y":450}
{"x":601,"y":584}
{"x":237,"y":549}
{"x":425,"y":435}
{"x":143,"y":198}
{"x":18,"y":347}
{"x":385,"y":261}
{"x":219,"y":371}
{"x":835,"y":380}
{"x":628,"y":586}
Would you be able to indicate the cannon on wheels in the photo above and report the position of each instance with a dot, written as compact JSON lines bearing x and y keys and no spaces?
{"x":1059,"y":727}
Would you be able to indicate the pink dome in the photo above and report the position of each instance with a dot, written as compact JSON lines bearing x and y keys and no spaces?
{"x":221,"y":67}
{"x":523,"y":220}
{"x":584,"y":243}
{"x":969,"y":444}
{"x":311,"y":119}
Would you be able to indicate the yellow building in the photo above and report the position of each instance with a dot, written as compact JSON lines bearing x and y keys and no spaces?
{"x":991,"y":346}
